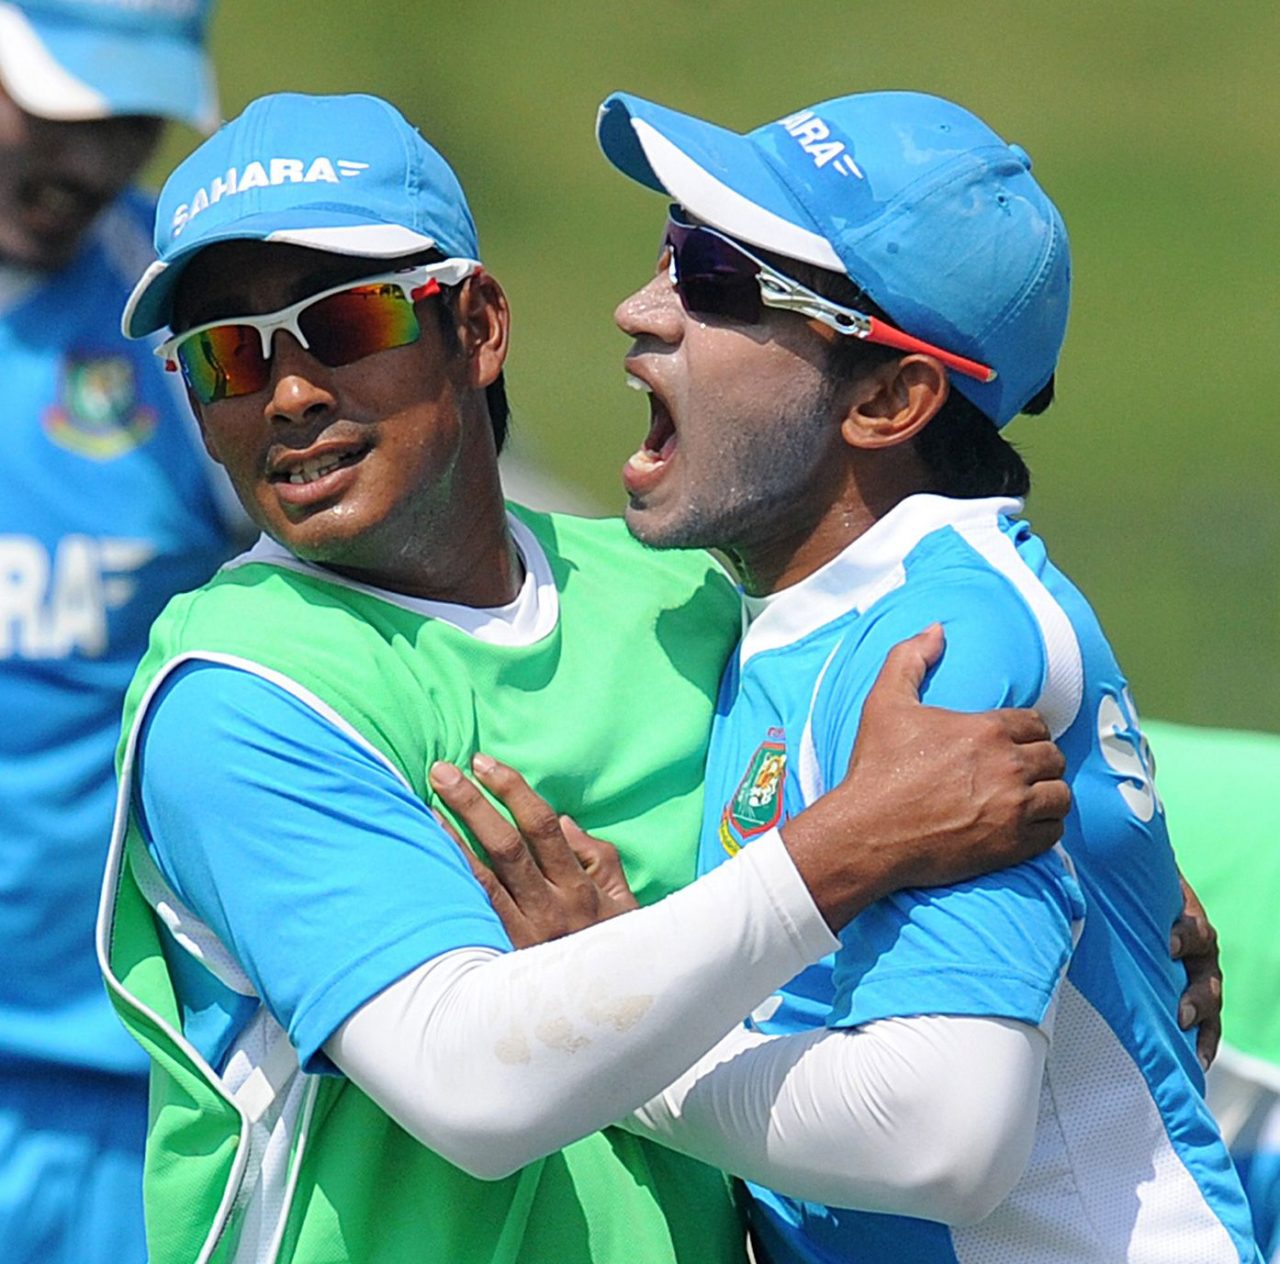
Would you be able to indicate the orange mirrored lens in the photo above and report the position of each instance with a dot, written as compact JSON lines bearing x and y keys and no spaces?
{"x":227,"y":360}
{"x":223,"y":362}
{"x":359,"y":322}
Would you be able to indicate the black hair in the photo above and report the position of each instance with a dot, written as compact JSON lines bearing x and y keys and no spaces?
{"x":495,"y":393}
{"x":965,"y":454}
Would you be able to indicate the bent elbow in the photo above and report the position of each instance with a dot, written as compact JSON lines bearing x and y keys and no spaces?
{"x":489,"y":1144}
{"x":969,"y":1202}
{"x":972,"y":1184}
{"x":484,"y":1165}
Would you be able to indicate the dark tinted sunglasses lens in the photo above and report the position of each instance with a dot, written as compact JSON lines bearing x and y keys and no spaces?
{"x":223,"y":362}
{"x":359,"y":322}
{"x":714,"y":279}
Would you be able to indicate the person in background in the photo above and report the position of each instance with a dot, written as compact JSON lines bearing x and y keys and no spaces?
{"x":108,"y":508}
{"x":1218,"y":788}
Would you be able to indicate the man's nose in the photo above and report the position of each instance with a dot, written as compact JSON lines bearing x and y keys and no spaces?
{"x":653,"y":311}
{"x":302,"y":388}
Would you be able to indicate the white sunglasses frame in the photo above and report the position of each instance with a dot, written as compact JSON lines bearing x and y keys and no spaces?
{"x":415,"y":283}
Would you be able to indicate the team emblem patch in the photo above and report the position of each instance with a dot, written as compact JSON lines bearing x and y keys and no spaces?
{"x":756,"y":805}
{"x":98,"y":414}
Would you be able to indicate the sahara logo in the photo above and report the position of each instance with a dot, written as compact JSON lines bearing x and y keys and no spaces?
{"x":262,"y":175}
{"x":815,"y":139}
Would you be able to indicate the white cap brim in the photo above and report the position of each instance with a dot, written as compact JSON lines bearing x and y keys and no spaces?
{"x":150,"y":305}
{"x":41,"y":84}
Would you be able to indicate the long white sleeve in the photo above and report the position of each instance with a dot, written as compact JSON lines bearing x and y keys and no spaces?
{"x":495,"y":1059}
{"x":931,"y":1116}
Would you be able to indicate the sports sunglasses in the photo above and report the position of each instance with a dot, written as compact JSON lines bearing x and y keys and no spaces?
{"x":717,"y":276}
{"x":226,"y":358}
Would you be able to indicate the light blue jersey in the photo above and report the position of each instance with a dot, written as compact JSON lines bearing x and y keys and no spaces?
{"x":107,"y":509}
{"x":345,"y":810}
{"x":1127,"y":1162}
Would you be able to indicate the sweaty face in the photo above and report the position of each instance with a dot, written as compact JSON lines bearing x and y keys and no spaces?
{"x":361,"y":467}
{"x":56,"y":176}
{"x":743,"y":423}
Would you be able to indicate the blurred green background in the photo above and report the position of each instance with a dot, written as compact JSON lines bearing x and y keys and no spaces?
{"x":1151,"y":124}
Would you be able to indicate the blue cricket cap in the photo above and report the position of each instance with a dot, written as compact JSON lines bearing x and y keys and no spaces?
{"x":344,"y":174}
{"x":915,"y":199}
{"x":91,"y":59}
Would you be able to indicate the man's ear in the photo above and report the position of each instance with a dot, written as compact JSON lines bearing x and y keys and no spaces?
{"x":483,"y":321}
{"x":894,"y":402}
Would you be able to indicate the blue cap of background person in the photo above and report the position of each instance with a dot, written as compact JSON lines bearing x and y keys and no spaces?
{"x":91,"y":59}
{"x":345,"y":174}
{"x":918,"y":201}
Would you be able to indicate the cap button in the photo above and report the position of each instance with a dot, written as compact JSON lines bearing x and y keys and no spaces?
{"x":1021,"y":155}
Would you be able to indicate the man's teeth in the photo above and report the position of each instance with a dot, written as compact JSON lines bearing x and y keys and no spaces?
{"x":636,"y":384}
{"x":316,"y":468}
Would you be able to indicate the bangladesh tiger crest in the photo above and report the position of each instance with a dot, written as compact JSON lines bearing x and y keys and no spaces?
{"x":98,"y":414}
{"x":756,"y":805}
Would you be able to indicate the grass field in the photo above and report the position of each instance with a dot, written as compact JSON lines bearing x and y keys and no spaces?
{"x":1157,"y":472}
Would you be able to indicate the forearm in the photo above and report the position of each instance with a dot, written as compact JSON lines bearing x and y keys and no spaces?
{"x":494,"y":1060}
{"x":931,"y":1117}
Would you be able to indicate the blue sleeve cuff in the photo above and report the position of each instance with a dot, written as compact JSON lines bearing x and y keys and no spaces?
{"x":324,"y":1012}
{"x":321,"y":872}
{"x":961,"y":991}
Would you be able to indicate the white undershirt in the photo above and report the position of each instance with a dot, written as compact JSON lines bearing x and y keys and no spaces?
{"x":932,"y":1116}
{"x":496,"y":1059}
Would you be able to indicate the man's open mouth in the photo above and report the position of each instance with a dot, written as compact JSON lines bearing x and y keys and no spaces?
{"x":659,"y":444}
{"x":317,"y":467}
{"x":300,"y":469}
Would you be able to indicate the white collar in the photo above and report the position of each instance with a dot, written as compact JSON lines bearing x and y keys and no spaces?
{"x":862,"y":573}
{"x":523,"y":621}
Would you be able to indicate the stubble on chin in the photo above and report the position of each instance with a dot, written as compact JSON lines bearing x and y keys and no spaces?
{"x":759,"y":487}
